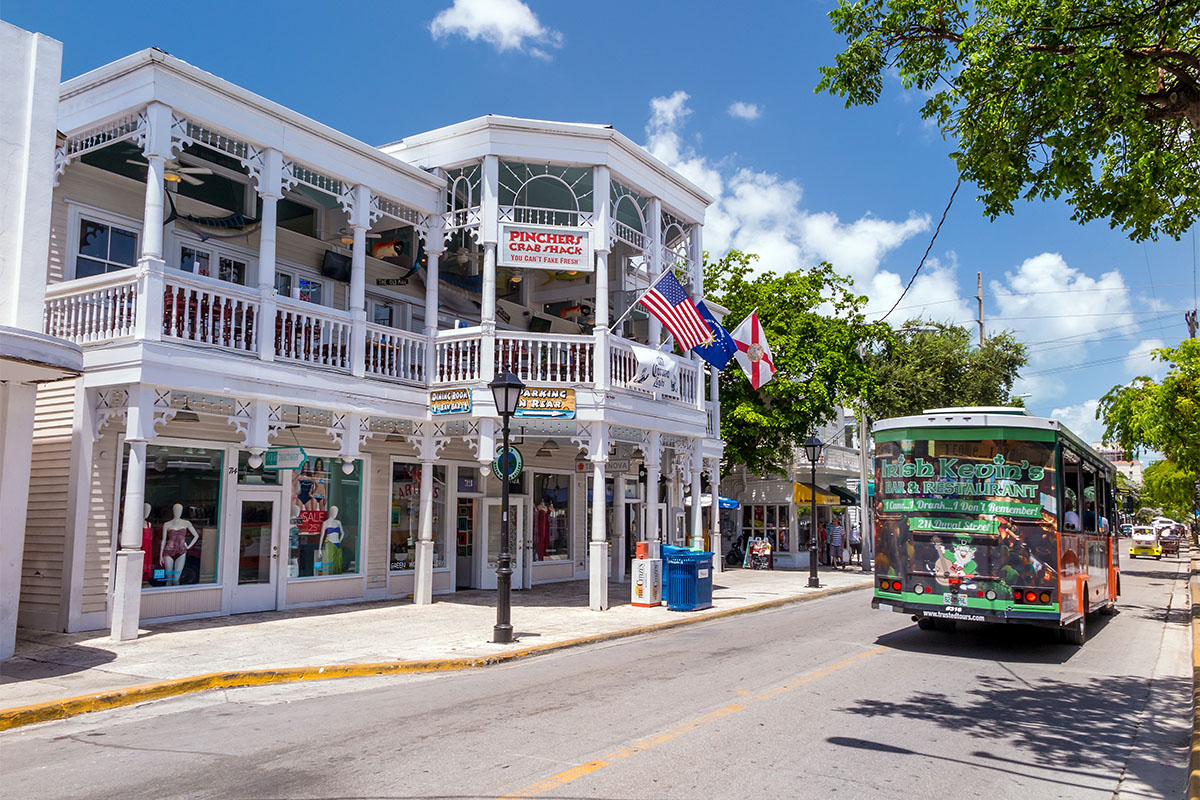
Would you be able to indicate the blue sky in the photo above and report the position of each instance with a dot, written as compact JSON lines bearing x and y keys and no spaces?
{"x":798,"y":177}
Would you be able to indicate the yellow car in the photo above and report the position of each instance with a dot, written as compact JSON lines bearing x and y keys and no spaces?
{"x":1145,"y":542}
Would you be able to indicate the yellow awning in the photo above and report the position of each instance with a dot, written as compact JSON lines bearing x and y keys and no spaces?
{"x":802,"y":494}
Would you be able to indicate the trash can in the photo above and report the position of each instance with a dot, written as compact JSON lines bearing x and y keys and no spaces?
{"x":687,"y":578}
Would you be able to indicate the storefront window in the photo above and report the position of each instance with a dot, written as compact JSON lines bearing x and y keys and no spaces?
{"x":323,"y":535}
{"x":770,"y":522}
{"x":180,"y":534}
{"x":406,"y":516}
{"x":551,"y":517}
{"x":251,"y":476}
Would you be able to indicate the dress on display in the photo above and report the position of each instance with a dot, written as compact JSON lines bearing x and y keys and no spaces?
{"x":331,"y":554}
{"x":176,"y":543}
{"x":541,"y":533}
{"x":147,"y":549}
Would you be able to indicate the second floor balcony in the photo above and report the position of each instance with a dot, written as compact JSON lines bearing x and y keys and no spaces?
{"x":244,"y":325}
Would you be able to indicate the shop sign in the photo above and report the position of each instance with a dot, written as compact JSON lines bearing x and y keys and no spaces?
{"x":546,"y":403}
{"x":391,"y":281}
{"x":545,"y":247}
{"x":617,"y":466}
{"x":449,"y":401}
{"x":284,"y":458}
{"x":515,"y":463}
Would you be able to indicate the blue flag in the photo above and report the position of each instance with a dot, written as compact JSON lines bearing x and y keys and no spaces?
{"x":722,"y":347}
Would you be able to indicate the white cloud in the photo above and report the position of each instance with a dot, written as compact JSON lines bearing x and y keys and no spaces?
{"x":1081,"y":419}
{"x":1138,"y":361}
{"x":762,"y":212}
{"x":746,"y":111}
{"x":504,"y":24}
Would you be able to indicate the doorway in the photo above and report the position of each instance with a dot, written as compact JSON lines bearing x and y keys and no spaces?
{"x":257,"y":586}
{"x":518,"y":542}
{"x":465,"y":573}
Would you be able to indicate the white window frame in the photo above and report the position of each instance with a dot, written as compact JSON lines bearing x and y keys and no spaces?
{"x":297,"y":272}
{"x":179,"y":239}
{"x":77,"y":212}
{"x":533,"y":473}
{"x":364,"y":522}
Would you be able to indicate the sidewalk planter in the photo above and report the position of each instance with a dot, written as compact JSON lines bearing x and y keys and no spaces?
{"x":687,"y":579}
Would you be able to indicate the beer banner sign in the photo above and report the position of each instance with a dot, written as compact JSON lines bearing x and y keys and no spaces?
{"x":544,"y":403}
{"x":449,"y":401}
{"x":545,"y":247}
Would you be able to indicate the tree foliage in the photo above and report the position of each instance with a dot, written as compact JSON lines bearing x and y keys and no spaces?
{"x":1097,"y":101}
{"x":929,"y":365}
{"x":1170,"y":488}
{"x":816,"y":329}
{"x":1146,"y":414}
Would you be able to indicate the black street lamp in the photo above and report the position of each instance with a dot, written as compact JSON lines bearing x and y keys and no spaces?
{"x":506,"y":390}
{"x":812,"y":449}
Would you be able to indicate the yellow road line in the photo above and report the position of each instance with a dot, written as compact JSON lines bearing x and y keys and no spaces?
{"x":642,"y":745}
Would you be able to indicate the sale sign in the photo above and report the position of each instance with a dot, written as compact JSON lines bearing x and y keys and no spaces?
{"x":546,"y":247}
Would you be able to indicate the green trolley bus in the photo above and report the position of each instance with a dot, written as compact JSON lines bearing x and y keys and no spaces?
{"x":993,"y":515}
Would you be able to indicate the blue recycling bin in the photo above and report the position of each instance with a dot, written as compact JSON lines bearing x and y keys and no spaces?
{"x":687,"y":578}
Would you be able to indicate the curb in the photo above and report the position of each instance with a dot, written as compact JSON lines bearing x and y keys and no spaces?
{"x":132,"y":695}
{"x":1194,"y":760}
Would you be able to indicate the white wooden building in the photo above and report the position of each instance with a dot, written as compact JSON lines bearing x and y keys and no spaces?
{"x":244,"y":281}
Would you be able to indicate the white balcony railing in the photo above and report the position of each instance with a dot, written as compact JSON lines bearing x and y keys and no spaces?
{"x":623,"y":369}
{"x":457,"y":356}
{"x":200,"y":312}
{"x":92,"y":310}
{"x":547,"y":358}
{"x":312,"y":335}
{"x":394,"y":354}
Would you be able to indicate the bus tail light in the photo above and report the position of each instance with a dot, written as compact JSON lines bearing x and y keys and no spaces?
{"x":1030,"y":597}
{"x":1044,"y":597}
{"x":896,"y":586}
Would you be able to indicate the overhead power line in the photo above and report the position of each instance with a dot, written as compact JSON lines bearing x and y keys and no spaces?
{"x":932,"y":239}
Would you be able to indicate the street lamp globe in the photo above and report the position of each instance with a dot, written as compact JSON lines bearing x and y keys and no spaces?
{"x":812,"y":448}
{"x":506,"y":390}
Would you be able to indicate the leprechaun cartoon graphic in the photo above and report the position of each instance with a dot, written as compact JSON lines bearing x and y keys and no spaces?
{"x":957,"y":561}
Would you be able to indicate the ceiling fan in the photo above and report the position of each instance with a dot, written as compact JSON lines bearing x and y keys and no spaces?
{"x":346,"y":236}
{"x":175,"y":172}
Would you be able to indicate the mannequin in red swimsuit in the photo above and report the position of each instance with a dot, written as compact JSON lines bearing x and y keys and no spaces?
{"x":172,"y":552}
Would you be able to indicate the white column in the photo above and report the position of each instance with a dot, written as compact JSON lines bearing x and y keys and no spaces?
{"x":359,"y":222}
{"x":714,"y":397}
{"x":619,"y":523}
{"x":127,"y":593}
{"x":697,"y":519}
{"x":266,"y":278}
{"x":650,"y":530}
{"x":714,"y":518}
{"x":654,"y":234}
{"x":431,"y":314}
{"x":17,"y":401}
{"x":157,"y":148}
{"x":866,"y":529}
{"x":423,"y":589}
{"x":600,"y":193}
{"x":598,"y":547}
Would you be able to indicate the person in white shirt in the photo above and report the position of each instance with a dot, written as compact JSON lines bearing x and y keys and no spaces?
{"x":1071,"y":519}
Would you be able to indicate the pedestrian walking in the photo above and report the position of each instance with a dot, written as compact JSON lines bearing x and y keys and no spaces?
{"x":856,"y":543}
{"x":837,"y":539}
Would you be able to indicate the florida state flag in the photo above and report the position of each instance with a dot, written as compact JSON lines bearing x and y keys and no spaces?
{"x":754,"y":354}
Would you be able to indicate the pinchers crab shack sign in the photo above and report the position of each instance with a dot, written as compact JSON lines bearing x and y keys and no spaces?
{"x":545,"y":247}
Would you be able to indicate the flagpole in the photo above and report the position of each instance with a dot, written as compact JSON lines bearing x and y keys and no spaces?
{"x":645,"y":292}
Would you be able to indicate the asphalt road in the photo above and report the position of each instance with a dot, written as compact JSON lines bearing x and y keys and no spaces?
{"x":822,"y":699}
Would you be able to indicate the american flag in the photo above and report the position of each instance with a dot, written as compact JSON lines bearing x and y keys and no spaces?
{"x":671,"y":306}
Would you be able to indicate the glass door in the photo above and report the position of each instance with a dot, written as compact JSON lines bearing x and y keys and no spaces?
{"x":257,"y":585}
{"x":518,"y":542}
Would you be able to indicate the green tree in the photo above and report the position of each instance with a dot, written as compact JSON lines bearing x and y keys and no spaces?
{"x":933,"y":365}
{"x":1148,"y":415}
{"x":816,"y":329}
{"x":1097,"y":101}
{"x":1170,"y":488}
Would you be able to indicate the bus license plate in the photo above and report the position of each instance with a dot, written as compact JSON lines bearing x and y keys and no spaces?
{"x":954,"y":599}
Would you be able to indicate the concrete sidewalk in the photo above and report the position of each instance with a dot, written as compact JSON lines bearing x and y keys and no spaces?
{"x":51,"y":667}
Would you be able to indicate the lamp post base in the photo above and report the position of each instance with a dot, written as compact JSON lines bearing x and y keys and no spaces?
{"x":502,"y":634}
{"x":814,"y":583}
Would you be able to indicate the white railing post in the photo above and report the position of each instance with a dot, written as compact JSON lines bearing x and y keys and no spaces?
{"x":490,"y":229}
{"x":656,"y":266}
{"x":148,"y":319}
{"x":435,"y":245}
{"x":600,"y":202}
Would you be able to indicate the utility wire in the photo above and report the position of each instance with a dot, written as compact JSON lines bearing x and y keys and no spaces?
{"x":932,"y":239}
